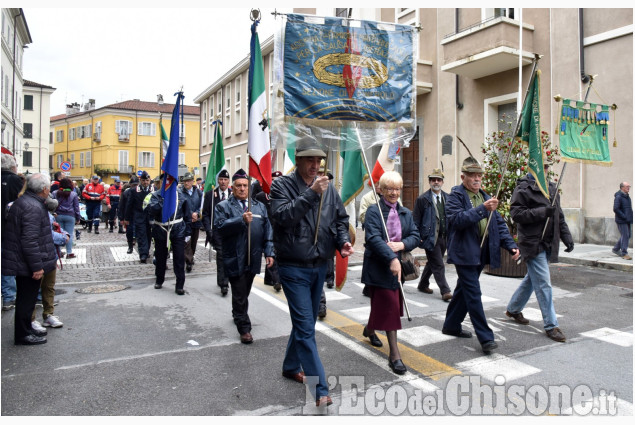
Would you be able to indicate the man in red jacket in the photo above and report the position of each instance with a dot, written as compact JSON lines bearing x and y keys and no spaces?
{"x":114,"y":194}
{"x":93,"y":194}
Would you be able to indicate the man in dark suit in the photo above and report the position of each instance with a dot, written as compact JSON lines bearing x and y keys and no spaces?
{"x":211,"y":198}
{"x":429,"y":217}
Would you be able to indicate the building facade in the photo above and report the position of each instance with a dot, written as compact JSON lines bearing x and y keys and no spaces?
{"x":473,"y":67}
{"x":121,"y":139}
{"x":36,"y":114}
{"x":15,"y":36}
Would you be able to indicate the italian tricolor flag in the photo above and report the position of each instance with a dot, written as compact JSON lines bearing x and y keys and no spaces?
{"x":258,"y":144}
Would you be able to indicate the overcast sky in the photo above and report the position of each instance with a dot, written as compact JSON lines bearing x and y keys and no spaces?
{"x":118,"y":54}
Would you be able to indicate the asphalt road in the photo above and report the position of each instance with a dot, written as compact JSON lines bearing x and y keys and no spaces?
{"x":141,"y":351}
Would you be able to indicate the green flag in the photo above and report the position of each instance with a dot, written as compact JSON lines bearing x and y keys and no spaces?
{"x":164,"y":142}
{"x":354,"y":172}
{"x":216,"y":159}
{"x":529,"y":132}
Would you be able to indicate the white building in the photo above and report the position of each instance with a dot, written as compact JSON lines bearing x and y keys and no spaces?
{"x":36,"y":127}
{"x":15,"y":36}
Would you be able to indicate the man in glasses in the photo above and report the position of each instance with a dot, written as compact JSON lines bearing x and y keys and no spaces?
{"x":429,"y":217}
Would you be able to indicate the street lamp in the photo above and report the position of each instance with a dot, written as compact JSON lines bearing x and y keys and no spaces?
{"x":26,"y":146}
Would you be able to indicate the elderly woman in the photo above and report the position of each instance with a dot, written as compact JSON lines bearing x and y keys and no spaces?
{"x":382,"y":270}
{"x":28,"y":253}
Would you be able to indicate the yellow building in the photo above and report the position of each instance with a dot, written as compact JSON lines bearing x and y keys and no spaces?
{"x":121,"y":139}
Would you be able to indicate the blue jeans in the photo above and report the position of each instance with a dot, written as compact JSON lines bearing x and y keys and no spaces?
{"x":537,"y":280}
{"x":625,"y":235}
{"x":303,"y":288}
{"x":8,"y":288}
{"x":93,"y":211}
{"x":67,"y":223}
{"x":467,"y":299}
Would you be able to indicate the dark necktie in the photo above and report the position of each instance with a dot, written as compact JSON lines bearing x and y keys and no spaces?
{"x":441,"y":210}
{"x":222,"y":196}
{"x":244,"y":205}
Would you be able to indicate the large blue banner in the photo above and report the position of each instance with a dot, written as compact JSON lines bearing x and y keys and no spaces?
{"x":338,"y":69}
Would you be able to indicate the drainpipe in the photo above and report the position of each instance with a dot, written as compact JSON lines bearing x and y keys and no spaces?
{"x":459,"y":105}
{"x":585,"y":78}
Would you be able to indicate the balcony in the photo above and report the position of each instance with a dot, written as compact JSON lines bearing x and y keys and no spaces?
{"x":424,"y":76}
{"x":124,"y":137}
{"x":182,"y":141}
{"x":487,"y":48}
{"x":96,"y":137}
{"x":104,"y":170}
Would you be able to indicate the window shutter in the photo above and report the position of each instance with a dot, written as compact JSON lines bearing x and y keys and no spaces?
{"x":151,"y":159}
{"x":140,"y":162}
{"x":117,"y":126}
{"x":140,"y":129}
{"x":154,"y":130}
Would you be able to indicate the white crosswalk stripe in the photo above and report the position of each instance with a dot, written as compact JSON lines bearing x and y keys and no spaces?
{"x":611,"y":336}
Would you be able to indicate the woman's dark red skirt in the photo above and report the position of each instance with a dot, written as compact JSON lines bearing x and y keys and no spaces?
{"x":386,"y":309}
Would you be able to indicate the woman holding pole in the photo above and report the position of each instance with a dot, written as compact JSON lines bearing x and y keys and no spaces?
{"x":382,"y":269}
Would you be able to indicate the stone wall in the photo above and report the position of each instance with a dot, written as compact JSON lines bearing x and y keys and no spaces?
{"x":593,"y":230}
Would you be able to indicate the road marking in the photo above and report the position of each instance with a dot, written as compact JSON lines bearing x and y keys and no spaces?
{"x":493,"y":365}
{"x":336,"y":296}
{"x":120,"y":253}
{"x":419,"y":336}
{"x":334,"y":322}
{"x":612,"y":336}
{"x":534,"y":314}
{"x":80,"y":257}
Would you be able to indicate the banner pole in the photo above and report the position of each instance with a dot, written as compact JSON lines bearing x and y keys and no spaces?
{"x":317,"y":223}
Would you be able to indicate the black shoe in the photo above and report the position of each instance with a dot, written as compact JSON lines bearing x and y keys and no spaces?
{"x":489,"y":346}
{"x":366,"y":291}
{"x":224,"y":290}
{"x":188,"y":268}
{"x":110,"y":230}
{"x":31,"y":340}
{"x":330,"y":285}
{"x":179,"y":291}
{"x":129,"y":250}
{"x":268,"y":283}
{"x":374,"y":340}
{"x":277,"y":286}
{"x":158,"y":285}
{"x":121,"y":229}
{"x":322,"y":311}
{"x":90,"y":229}
{"x":459,"y":334}
{"x":143,"y":259}
{"x":397,"y":366}
{"x":96,"y":230}
{"x":39,"y":333}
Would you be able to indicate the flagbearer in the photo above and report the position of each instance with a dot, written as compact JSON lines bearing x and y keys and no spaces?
{"x":195,"y":196}
{"x":177,"y":229}
{"x":232,"y":219}
{"x":530,"y":209}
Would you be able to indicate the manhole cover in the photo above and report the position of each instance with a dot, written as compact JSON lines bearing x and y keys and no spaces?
{"x":102,"y":289}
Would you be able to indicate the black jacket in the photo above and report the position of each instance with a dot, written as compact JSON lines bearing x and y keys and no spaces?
{"x":378,"y":255}
{"x":529,"y":211}
{"x":209,"y":203}
{"x":27,"y":243}
{"x":229,"y":224}
{"x":134,"y":204}
{"x":426,"y":218}
{"x":11,"y":187}
{"x":294,"y":209}
{"x":623,"y":208}
{"x":183,"y":215}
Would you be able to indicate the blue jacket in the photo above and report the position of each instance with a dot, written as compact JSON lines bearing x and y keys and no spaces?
{"x":623,"y":208}
{"x":68,"y":205}
{"x":229,"y":223}
{"x":196,"y":199}
{"x":154,"y":211}
{"x":425,"y":216}
{"x":464,"y":241}
{"x":377,"y":255}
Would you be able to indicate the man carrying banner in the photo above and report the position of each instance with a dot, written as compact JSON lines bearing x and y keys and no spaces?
{"x":466,"y":211}
{"x":295,"y":200}
{"x":234,"y":220}
{"x":169,"y":233}
{"x":530,"y":209}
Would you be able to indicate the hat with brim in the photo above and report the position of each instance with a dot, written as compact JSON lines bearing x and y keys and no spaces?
{"x":309,"y":148}
{"x":188,"y":177}
{"x":436,"y":173}
{"x":471,"y":165}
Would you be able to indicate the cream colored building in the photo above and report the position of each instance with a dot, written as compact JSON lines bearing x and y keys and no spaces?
{"x":36,"y":113}
{"x":467,"y":75}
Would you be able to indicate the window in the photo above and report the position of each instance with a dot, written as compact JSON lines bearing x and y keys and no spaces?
{"x":60,"y":159}
{"x":73,"y":160}
{"x":27,"y":129}
{"x":50,"y":137}
{"x":97,"y":135}
{"x":496,"y":12}
{"x":88,"y":159}
{"x":124,"y":129}
{"x":237,"y":122}
{"x":219,"y":102}
{"x":82,"y":131}
{"x":28,"y":102}
{"x":87,"y":130}
{"x":27,"y":159}
{"x":123,"y":162}
{"x":226,"y":124}
{"x":238,"y":163}
{"x":181,"y":158}
{"x":71,"y":133}
{"x":59,"y":136}
{"x":147,"y":129}
{"x":146,"y":159}
{"x":81,"y":160}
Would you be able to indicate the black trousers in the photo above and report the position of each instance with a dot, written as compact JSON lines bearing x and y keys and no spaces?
{"x":435,"y":266}
{"x":161,"y":253}
{"x":143,"y":233}
{"x":190,"y":246}
{"x":241,"y":287}
{"x":330,"y":270}
{"x":25,"y":298}
{"x":271,"y":274}
{"x":221,"y":278}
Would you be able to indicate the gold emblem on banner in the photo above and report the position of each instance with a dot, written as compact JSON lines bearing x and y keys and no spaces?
{"x":379,"y":70}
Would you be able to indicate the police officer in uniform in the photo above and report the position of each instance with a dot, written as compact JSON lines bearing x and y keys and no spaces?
{"x":124,"y":204}
{"x":134,"y":211}
{"x":177,"y":229}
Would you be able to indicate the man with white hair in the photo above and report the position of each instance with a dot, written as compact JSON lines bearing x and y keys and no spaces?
{"x":28,"y":253}
{"x":11,"y":186}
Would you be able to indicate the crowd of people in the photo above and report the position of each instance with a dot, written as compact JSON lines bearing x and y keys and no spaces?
{"x":297,"y":227}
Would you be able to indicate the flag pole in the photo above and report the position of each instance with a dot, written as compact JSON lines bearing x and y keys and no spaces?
{"x":317,"y":224}
{"x":372,"y":183}
{"x":211,"y":224}
{"x":511,"y":148}
{"x":564,"y":167}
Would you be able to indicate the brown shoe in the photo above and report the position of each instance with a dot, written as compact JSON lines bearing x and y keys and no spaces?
{"x":556,"y":334}
{"x":323,"y":401}
{"x":425,"y":290}
{"x":297,"y":377}
{"x":518,"y":318}
{"x":70,"y":255}
{"x":447,"y":297}
{"x":246,"y":338}
{"x":627,"y":257}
